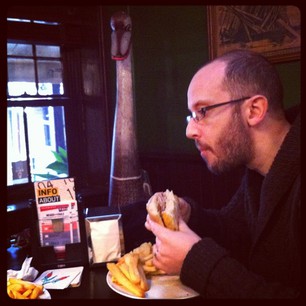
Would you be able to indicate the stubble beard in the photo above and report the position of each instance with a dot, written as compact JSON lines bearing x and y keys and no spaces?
{"x":234,"y":148}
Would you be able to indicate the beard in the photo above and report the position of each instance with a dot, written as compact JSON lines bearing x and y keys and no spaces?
{"x":233,"y":148}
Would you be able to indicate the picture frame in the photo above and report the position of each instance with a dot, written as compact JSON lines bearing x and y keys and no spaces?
{"x":274,"y":31}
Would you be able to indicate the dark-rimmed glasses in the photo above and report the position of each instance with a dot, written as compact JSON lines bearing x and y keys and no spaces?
{"x":200,"y":114}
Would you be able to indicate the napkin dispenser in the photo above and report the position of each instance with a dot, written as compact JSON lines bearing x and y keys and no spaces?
{"x":104,"y":235}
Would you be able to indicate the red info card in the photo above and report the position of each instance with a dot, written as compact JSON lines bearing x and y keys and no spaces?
{"x":57,"y":211}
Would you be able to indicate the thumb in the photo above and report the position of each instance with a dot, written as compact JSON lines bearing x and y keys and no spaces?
{"x":155,"y":227}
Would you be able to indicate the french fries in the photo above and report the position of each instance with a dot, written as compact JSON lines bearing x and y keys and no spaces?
{"x":145,"y":253}
{"x":132,"y":269}
{"x":20,"y":289}
{"x":122,"y":280}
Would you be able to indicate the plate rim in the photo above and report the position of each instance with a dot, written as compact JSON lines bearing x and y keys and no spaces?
{"x":47,"y":293}
{"x":125,"y":293}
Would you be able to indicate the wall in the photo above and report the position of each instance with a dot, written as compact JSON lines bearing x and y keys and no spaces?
{"x":170,"y":43}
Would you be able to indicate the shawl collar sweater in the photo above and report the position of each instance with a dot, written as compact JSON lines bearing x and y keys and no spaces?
{"x":251,"y":248}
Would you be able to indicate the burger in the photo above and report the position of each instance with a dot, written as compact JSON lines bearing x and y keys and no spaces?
{"x":163,"y":208}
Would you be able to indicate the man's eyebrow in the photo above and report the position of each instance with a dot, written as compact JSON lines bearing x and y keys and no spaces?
{"x":200,"y":104}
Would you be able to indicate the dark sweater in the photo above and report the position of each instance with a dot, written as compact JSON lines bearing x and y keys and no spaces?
{"x":251,"y":248}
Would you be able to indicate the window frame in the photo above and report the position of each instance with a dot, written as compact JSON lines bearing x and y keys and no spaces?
{"x":81,"y":30}
{"x":22,"y":191}
{"x":88,"y":116}
{"x":16,"y":34}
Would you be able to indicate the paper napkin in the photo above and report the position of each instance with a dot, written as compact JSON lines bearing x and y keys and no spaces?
{"x":60,"y":278}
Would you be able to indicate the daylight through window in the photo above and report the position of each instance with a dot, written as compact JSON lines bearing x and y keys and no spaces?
{"x":36,"y":136}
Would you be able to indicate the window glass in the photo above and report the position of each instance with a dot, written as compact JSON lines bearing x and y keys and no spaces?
{"x":19,"y":49}
{"x":36,"y":136}
{"x":18,"y":20}
{"x":21,"y":77}
{"x":47,"y":142}
{"x":17,"y":171}
{"x":49,"y":77}
{"x":48,"y":51}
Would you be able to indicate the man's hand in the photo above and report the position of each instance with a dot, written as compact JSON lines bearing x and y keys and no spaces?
{"x":185,"y":209}
{"x":171,"y":247}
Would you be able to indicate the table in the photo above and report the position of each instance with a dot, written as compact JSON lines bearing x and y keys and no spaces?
{"x":93,"y":284}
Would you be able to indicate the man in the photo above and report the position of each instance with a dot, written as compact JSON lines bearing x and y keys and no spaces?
{"x":251,"y":247}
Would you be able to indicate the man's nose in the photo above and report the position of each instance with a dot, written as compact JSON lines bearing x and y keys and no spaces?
{"x":192,"y":130}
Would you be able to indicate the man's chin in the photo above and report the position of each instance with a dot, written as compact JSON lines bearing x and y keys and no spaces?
{"x":211,"y":167}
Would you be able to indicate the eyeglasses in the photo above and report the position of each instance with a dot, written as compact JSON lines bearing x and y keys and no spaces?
{"x":200,"y":114}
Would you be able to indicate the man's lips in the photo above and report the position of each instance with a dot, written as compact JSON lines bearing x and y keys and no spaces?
{"x":202,"y":149}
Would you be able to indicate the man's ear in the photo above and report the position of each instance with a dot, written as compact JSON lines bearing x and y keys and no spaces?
{"x":256,"y":109}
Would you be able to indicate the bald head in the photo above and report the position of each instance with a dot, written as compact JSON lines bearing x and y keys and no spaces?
{"x":243,"y":73}
{"x":207,"y":83}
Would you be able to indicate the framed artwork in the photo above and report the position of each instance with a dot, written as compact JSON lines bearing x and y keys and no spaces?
{"x":273,"y":30}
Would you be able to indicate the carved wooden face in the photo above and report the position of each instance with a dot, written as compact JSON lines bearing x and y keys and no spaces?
{"x":121,"y":25}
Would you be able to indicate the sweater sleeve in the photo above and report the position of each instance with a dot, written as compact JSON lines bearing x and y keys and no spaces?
{"x":209,"y":270}
{"x":227,"y":226}
{"x":217,"y":266}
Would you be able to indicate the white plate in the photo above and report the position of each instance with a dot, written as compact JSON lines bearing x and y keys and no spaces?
{"x":161,"y":287}
{"x":45,"y":295}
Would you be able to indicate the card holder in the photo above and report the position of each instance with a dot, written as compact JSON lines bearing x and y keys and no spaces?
{"x":52,"y":257}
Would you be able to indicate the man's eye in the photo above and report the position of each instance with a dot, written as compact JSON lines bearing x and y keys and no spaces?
{"x":200,"y":113}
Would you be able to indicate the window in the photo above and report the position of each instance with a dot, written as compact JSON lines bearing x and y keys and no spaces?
{"x":36,"y":135}
{"x":58,"y":99}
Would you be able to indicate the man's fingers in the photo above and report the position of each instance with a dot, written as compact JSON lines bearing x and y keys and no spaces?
{"x":151,"y":225}
{"x":147,"y":223}
{"x":155,"y":228}
{"x":155,"y":250}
